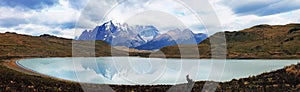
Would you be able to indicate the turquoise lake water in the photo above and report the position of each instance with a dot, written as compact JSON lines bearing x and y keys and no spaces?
{"x":149,"y":71}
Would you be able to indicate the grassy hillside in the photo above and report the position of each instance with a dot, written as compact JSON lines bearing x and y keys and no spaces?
{"x":282,"y":80}
{"x":12,"y":44}
{"x":261,"y":41}
{"x":17,"y":45}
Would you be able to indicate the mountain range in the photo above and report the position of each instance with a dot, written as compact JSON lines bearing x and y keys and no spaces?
{"x":140,"y":37}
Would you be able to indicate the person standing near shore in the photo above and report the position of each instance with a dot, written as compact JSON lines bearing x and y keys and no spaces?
{"x":189,"y":85}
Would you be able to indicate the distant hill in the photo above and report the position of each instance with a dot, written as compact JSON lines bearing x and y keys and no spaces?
{"x":18,"y":45}
{"x":261,"y":41}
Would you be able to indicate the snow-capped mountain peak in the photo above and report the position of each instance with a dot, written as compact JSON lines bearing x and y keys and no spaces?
{"x":118,"y":34}
{"x":139,"y":36}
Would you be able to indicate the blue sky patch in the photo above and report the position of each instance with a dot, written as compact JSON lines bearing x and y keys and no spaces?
{"x":29,"y":4}
{"x":68,"y":25}
{"x":12,"y":22}
{"x":262,"y":7}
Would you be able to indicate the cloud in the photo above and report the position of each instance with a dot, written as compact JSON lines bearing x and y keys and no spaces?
{"x":63,"y":17}
{"x":161,"y":20}
{"x":234,"y":22}
{"x":28,"y":4}
{"x":36,"y":30}
{"x":262,"y":7}
{"x":94,"y":13}
{"x":59,"y":19}
{"x":165,"y":15}
{"x":54,"y":16}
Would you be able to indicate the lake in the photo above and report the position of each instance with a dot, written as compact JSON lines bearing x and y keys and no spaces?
{"x":149,"y":71}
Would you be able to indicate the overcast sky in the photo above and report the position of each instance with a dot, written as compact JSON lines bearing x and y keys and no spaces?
{"x":62,"y":17}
